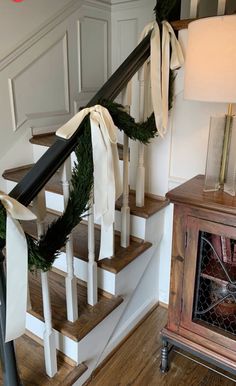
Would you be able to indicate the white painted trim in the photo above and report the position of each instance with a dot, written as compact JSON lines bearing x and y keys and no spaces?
{"x":99,"y":4}
{"x":39,"y":33}
{"x":123,"y":5}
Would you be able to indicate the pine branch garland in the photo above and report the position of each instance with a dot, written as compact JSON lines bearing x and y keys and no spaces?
{"x":42,"y":253}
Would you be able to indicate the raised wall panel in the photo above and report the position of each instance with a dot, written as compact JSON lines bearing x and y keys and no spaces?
{"x":41,"y":89}
{"x":127,"y":38}
{"x":93,"y":56}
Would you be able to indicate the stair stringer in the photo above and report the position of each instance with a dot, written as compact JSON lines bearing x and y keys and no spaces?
{"x":99,"y":342}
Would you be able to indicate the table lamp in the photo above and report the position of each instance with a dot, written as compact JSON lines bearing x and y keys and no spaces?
{"x":210,"y":75}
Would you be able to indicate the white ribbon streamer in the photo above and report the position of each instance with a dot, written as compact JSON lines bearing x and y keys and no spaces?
{"x":107,"y":181}
{"x":16,"y":267}
{"x":159,"y":69}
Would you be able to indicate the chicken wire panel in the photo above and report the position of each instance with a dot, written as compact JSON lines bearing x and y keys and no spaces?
{"x":215,"y":287}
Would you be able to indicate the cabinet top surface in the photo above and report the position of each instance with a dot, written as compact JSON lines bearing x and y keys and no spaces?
{"x":191,"y":193}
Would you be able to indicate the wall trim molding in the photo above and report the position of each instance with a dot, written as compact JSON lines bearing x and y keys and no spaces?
{"x":100,"y":4}
{"x":118,"y":5}
{"x":38,"y":34}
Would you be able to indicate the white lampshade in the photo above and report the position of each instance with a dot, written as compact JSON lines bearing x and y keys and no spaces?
{"x":210,"y":66}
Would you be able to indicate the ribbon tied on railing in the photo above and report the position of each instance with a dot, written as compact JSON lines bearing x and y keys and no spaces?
{"x":107,"y":181}
{"x":160,"y":64}
{"x":16,"y":267}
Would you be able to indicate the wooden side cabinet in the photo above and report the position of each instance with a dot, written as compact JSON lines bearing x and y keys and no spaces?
{"x":202,"y":307}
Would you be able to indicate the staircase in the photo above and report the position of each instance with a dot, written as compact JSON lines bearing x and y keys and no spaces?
{"x":110,"y":296}
{"x":118,"y":280}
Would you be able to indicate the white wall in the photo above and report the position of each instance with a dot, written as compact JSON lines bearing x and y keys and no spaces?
{"x":51,"y":71}
{"x":182,"y":153}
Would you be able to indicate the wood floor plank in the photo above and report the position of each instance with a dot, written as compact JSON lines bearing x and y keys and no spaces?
{"x":136,"y":363}
{"x":89,"y":317}
{"x":30,"y":360}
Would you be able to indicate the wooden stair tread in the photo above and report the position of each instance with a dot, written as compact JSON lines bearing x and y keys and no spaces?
{"x":152,"y":205}
{"x":30,"y":361}
{"x":48,"y":140}
{"x":89,"y":317}
{"x":123,"y":256}
{"x":16,"y":175}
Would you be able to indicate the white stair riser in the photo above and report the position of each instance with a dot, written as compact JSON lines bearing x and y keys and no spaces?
{"x":39,"y":150}
{"x":106,"y":279}
{"x":107,"y":334}
{"x":55,"y":202}
{"x":68,"y":346}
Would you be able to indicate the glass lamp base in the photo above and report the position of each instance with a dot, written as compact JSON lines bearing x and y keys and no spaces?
{"x":214,"y":157}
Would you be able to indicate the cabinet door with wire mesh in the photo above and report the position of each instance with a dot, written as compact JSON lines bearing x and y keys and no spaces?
{"x":209,"y":287}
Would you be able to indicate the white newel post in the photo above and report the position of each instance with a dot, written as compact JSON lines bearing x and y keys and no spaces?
{"x":92,"y":286}
{"x":125,"y":210}
{"x":50,"y":352}
{"x":71,"y":280}
{"x":29,"y":306}
{"x":140,"y":178}
{"x":194,"y":9}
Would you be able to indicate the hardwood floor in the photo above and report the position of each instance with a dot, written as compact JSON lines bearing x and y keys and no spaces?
{"x":136,"y":363}
{"x":30,"y":359}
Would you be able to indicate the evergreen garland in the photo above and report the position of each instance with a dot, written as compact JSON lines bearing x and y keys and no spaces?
{"x":42,"y":253}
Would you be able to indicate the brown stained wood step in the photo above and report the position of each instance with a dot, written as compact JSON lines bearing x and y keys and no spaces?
{"x":152,"y":204}
{"x":48,"y":140}
{"x":30,"y":361}
{"x":89,"y":317}
{"x":123,"y":256}
{"x":16,"y":174}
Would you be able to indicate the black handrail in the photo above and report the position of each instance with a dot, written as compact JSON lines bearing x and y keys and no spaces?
{"x":28,"y":188}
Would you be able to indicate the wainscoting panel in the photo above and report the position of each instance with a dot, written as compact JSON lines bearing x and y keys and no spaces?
{"x":93,"y":53}
{"x":127,"y":38}
{"x":41,"y":89}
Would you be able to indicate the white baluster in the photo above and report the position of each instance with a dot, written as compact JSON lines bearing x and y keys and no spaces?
{"x":92,"y":287}
{"x":29,"y":305}
{"x":221,"y":7}
{"x":71,"y":280}
{"x":125,"y":210}
{"x":50,"y":353}
{"x":140,"y":178}
{"x":194,"y":8}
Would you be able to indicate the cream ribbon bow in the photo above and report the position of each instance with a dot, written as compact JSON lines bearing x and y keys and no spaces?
{"x":160,"y":64}
{"x":107,"y":181}
{"x":16,"y":267}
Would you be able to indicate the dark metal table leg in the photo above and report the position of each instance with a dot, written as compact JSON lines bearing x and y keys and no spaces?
{"x":7,"y":352}
{"x":164,"y":366}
